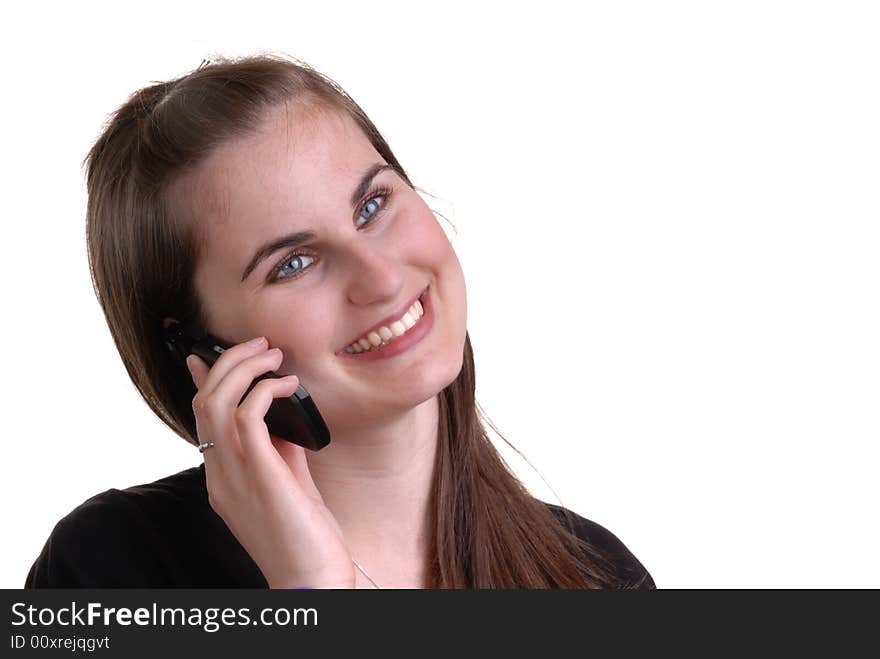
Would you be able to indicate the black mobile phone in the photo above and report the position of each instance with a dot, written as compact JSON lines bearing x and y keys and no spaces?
{"x":295,"y":418}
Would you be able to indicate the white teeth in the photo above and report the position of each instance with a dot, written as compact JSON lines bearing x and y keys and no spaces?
{"x":384,"y":334}
{"x":398,"y":328}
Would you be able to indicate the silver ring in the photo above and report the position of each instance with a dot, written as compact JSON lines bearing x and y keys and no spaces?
{"x":205,"y":446}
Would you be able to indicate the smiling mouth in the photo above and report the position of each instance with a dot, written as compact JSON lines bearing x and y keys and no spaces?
{"x":387,"y":333}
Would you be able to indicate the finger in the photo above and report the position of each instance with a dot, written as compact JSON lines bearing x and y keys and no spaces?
{"x":221,"y":468}
{"x":229,"y":359}
{"x":250,"y":415}
{"x":215,"y":409}
{"x":230,"y":390}
{"x":259,"y":454}
{"x":198,"y":369}
{"x":210,"y":426}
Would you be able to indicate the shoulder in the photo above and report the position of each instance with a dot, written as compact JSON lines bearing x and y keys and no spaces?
{"x":626,"y":566}
{"x":186,"y":487}
{"x":112,"y":538}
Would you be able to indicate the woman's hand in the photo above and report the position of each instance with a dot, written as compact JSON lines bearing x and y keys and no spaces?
{"x":259,"y":484}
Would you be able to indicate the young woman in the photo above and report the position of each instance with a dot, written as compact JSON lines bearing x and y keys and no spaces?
{"x":254,"y":200}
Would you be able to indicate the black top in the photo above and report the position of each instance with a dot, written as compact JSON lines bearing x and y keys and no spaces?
{"x":166,"y":535}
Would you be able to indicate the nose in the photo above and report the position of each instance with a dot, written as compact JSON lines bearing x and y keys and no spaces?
{"x":373,"y":275}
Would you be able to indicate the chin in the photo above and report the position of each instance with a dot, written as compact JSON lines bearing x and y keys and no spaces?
{"x":428,"y":386}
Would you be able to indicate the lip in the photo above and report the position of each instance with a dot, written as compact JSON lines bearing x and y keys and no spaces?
{"x":412,"y":336}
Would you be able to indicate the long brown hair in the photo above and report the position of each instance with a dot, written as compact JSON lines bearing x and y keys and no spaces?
{"x":489,"y":531}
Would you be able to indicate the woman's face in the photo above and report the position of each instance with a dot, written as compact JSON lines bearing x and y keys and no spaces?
{"x":369,"y":258}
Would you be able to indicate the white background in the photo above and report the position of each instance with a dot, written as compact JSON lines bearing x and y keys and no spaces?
{"x":667,"y":214}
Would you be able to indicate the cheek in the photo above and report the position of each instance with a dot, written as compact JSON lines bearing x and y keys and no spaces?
{"x":424,"y":238}
{"x":295,"y":329}
{"x":439,"y":255}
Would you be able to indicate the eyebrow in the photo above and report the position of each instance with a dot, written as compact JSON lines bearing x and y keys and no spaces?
{"x":293,"y":239}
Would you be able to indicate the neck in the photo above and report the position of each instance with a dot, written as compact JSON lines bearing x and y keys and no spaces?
{"x":377,"y":483}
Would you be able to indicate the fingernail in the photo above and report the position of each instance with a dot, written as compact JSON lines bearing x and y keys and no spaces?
{"x":189,"y":365}
{"x":256,"y":342}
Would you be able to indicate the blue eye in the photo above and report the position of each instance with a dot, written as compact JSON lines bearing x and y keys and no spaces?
{"x":284,"y":272}
{"x":372,"y":206}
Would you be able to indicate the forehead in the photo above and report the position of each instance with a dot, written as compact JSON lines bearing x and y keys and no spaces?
{"x":299,"y":166}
